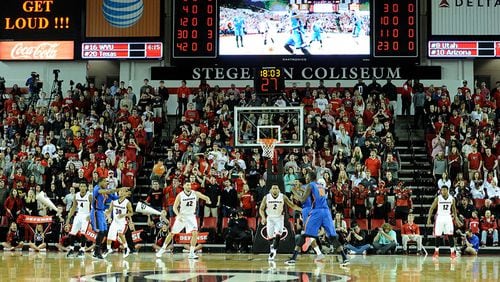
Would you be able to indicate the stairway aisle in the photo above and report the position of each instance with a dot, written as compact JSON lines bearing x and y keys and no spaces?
{"x":416,"y":171}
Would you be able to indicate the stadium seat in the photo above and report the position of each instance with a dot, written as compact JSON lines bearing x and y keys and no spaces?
{"x":252,"y":223}
{"x":376,"y":223}
{"x":348,"y":222}
{"x":363,"y":223}
{"x":225,"y":221}
{"x":478,"y":203}
{"x":210,"y":222}
{"x":399,"y":224}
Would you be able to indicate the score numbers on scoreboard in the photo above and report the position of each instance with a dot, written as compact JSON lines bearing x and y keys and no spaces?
{"x":395,"y":28}
{"x":195,"y":29}
{"x":269,"y":80}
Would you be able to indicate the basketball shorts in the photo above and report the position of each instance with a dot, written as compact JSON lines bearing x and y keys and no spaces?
{"x":319,"y":218}
{"x":80,"y":223}
{"x":185,"y":221}
{"x":275,"y":226}
{"x":116,"y":228}
{"x":443,"y":226}
{"x":98,"y":220}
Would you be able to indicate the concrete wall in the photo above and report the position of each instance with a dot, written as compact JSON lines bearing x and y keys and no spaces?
{"x":19,"y":72}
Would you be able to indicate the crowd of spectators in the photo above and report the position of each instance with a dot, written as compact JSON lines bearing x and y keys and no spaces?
{"x":89,"y":133}
{"x":461,"y":130}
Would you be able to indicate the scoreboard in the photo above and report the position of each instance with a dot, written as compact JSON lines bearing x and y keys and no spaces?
{"x":466,"y":49}
{"x":329,"y":30}
{"x":122,"y":50}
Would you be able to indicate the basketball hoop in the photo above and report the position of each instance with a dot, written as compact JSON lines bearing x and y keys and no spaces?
{"x":268,"y":145}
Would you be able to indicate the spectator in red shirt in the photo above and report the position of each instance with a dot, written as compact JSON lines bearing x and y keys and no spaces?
{"x":490,"y":161}
{"x":13,"y":205}
{"x":128,"y":175}
{"x":183,"y":93}
{"x":170,"y":193}
{"x":373,"y":164}
{"x":246,"y":201}
{"x":380,"y":206}
{"x":403,"y":201}
{"x":489,"y":229}
{"x":406,"y":97}
{"x":360,"y":195}
{"x":155,"y":196}
{"x":191,"y":114}
{"x":475,"y":161}
{"x":474,"y":223}
{"x":410,"y":232}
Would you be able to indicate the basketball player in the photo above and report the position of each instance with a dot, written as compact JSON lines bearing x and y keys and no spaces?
{"x":100,"y":195}
{"x":239,"y":30}
{"x":272,"y":206}
{"x":185,"y":211}
{"x":319,"y":216}
{"x":122,"y":210}
{"x":296,"y":39}
{"x":81,"y":204}
{"x":443,"y":224}
{"x":317,"y":30}
{"x":306,"y":209}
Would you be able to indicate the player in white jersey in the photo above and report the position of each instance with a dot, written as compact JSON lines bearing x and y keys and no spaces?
{"x":271,"y":214}
{"x":81,"y":204}
{"x":122,"y":212}
{"x":185,"y":210}
{"x":443,"y":224}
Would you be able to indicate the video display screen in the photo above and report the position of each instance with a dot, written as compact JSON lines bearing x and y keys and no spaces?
{"x":294,"y":28}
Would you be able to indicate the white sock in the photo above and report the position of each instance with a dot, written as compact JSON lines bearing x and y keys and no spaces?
{"x":125,"y":245}
{"x":317,"y":250}
{"x":109,"y":246}
{"x":452,"y":249}
{"x":191,"y":250}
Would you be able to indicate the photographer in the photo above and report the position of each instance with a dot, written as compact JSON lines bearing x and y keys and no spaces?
{"x":471,"y":243}
{"x":385,"y":240}
{"x":32,"y":83}
{"x":356,"y":241}
{"x":239,"y":235}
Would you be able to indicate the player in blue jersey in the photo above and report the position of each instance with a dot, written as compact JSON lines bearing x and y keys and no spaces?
{"x":319,"y":216}
{"x":358,"y":25}
{"x":317,"y":30}
{"x":239,"y":30}
{"x":299,"y":188}
{"x":296,"y":39}
{"x":100,"y":194}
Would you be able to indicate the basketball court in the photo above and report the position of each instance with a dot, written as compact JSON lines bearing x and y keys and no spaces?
{"x":51,"y":266}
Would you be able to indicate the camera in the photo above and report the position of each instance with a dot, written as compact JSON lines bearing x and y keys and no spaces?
{"x":56,"y":71}
{"x":35,"y":75}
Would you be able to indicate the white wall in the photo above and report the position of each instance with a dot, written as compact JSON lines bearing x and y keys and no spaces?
{"x":19,"y":72}
{"x":488,"y":68}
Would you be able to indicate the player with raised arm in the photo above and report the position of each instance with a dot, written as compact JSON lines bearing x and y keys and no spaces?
{"x":185,"y":211}
{"x":272,"y":215}
{"x":81,"y":205}
{"x":443,"y":224}
{"x":122,"y":211}
{"x":320,"y":216}
{"x":317,"y":30}
{"x":239,"y":30}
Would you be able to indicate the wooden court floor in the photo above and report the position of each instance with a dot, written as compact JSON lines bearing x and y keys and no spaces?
{"x":51,"y":266}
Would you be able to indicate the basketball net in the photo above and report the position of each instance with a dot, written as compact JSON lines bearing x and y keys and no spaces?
{"x":268,"y":145}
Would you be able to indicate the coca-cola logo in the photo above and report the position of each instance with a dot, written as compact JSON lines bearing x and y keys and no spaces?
{"x":42,"y":51}
{"x":37,"y":50}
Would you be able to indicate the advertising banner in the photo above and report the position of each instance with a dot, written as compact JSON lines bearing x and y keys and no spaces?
{"x":123,"y":18}
{"x":465,"y":17}
{"x":36,"y":50}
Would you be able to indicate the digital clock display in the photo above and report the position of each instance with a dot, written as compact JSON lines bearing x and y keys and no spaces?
{"x":195,"y":29}
{"x":269,"y":80}
{"x":395,"y":28}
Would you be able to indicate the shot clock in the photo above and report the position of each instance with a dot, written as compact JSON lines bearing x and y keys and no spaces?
{"x":269,"y":80}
